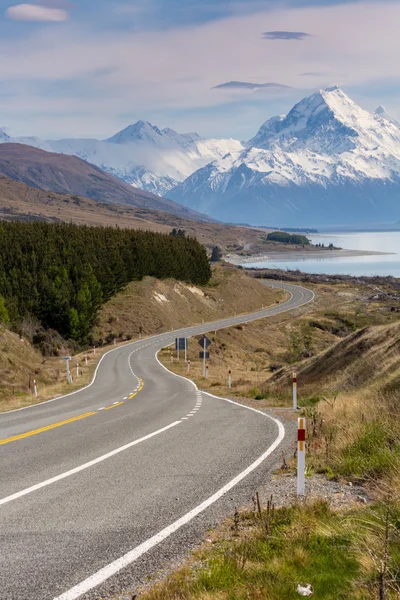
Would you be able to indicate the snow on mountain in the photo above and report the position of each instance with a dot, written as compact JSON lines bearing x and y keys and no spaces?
{"x":381,"y":112}
{"x":327,"y":161}
{"x":142,"y":154}
{"x":4,"y":137}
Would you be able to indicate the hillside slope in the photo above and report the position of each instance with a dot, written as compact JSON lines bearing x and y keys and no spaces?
{"x":370,"y":356}
{"x":22,"y":202}
{"x":69,"y":174}
{"x":152,"y":305}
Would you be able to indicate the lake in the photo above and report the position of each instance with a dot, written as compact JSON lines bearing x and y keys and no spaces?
{"x":384,"y":241}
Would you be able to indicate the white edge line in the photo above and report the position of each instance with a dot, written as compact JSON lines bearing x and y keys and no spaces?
{"x":155,"y":339}
{"x":124,"y":561}
{"x":91,"y":463}
{"x":109,"y":570}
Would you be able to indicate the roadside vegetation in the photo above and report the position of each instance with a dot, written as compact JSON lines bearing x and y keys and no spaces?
{"x":346,"y":352}
{"x":142,"y":308}
{"x":62,"y":274}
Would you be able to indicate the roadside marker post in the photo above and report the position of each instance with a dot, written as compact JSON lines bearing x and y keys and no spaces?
{"x":69,"y":377}
{"x":77,"y":370}
{"x":94,"y":349}
{"x":35,"y":388}
{"x":86,"y":359}
{"x":294,"y":391}
{"x":204,"y":343}
{"x":115,"y":342}
{"x":229,"y":379}
{"x":188,"y":365}
{"x":301,"y":456}
{"x":206,"y":371}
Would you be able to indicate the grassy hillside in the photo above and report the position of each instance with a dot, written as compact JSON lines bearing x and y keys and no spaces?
{"x":270,"y":350}
{"x":370,"y":356}
{"x":19,"y":201}
{"x":151,"y":304}
{"x":62,"y":173}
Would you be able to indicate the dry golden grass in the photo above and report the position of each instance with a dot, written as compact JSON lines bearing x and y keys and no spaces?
{"x":150,"y":306}
{"x":20,"y":201}
{"x":20,"y":364}
{"x":251,"y":351}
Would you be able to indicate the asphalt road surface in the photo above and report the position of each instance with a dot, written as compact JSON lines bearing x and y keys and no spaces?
{"x":104,"y":486}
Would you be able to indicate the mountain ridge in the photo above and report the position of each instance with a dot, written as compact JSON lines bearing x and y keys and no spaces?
{"x":326,"y":161}
{"x":142,"y":155}
{"x":69,"y":174}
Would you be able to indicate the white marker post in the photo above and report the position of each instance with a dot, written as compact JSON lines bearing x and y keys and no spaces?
{"x":86,"y":359}
{"x":77,"y":370}
{"x":115,"y":342}
{"x":206,"y":371}
{"x":188,"y":365}
{"x":301,"y":456}
{"x":35,"y":388}
{"x":229,"y":379}
{"x":294,"y":391}
{"x":67,"y":359}
{"x":94,"y":349}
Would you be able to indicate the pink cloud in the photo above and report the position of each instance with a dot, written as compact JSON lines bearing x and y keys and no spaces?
{"x":36,"y":12}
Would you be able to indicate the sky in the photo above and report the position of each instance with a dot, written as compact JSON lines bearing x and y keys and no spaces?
{"x":88,"y":68}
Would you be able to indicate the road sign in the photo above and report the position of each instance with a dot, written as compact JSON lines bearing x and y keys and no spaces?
{"x":205,"y":342}
{"x":204,"y":355}
{"x":181,"y":343}
{"x":67,"y":358}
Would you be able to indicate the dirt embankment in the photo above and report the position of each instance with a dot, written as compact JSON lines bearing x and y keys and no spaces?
{"x":152,"y":306}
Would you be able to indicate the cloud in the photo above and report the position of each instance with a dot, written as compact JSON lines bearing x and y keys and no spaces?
{"x":314,"y":74}
{"x":36,"y":12}
{"x":247,"y":85}
{"x":285,"y":35}
{"x":166,"y":75}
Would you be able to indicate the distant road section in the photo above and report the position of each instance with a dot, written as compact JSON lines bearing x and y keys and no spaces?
{"x":100,"y":487}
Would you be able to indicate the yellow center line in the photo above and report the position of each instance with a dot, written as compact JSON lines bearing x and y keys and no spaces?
{"x":46,"y":428}
{"x":21,"y":436}
{"x":113,"y":406}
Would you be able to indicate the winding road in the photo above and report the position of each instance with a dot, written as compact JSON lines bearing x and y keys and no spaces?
{"x":101,"y":487}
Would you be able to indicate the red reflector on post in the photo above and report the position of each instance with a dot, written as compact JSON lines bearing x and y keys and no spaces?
{"x":301,"y":435}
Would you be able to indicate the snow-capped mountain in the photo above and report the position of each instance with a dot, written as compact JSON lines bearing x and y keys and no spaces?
{"x":142,"y":154}
{"x":327,"y":161}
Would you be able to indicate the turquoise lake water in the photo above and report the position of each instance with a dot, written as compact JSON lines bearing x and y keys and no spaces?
{"x":386,"y":241}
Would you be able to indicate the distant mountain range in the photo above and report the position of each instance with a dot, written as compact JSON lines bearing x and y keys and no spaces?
{"x":328,"y":162}
{"x":142,"y":155}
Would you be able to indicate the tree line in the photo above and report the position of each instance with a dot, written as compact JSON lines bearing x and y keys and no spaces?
{"x":62,"y":273}
{"x":287,"y":238}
